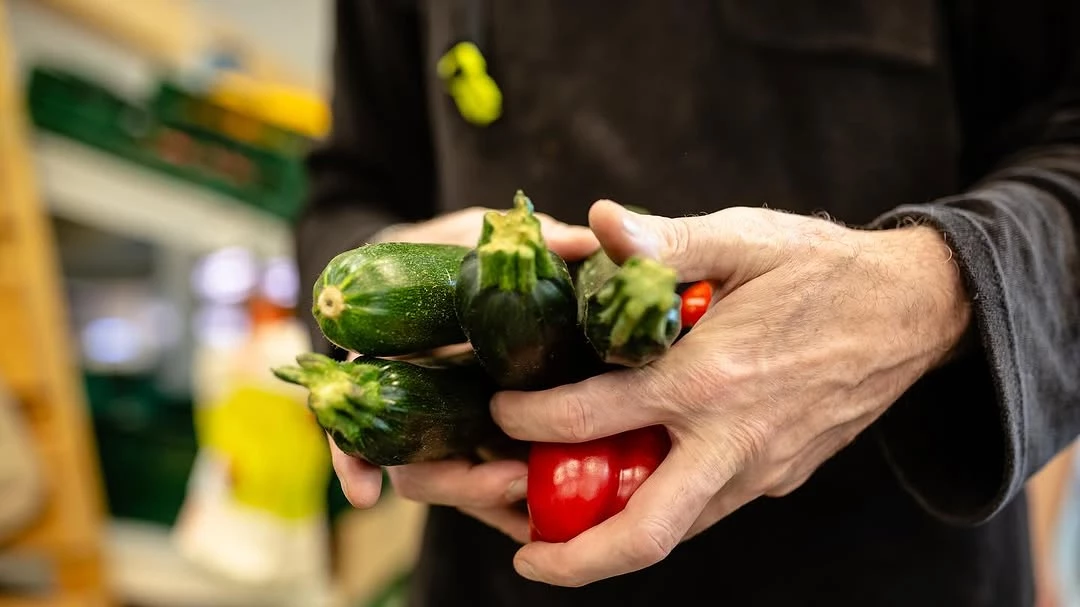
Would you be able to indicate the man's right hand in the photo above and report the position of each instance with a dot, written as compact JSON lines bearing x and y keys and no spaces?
{"x":485,"y":491}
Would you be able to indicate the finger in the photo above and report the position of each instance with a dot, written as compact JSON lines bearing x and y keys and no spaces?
{"x":718,"y":246}
{"x":461,"y":484}
{"x":360,"y":481}
{"x":509,"y":521}
{"x":568,"y":241}
{"x":651,"y":526}
{"x":451,"y":350}
{"x":599,"y":406}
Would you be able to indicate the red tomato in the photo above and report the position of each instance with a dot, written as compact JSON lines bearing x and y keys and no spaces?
{"x":695,"y":301}
{"x":642,"y":452}
{"x":573,"y":487}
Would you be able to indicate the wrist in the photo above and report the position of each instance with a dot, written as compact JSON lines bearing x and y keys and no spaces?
{"x":931,"y":304}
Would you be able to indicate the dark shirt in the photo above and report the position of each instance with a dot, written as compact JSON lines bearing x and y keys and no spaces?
{"x":965,"y":114}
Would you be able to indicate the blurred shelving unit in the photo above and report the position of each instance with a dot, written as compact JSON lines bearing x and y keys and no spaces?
{"x":89,"y":186}
{"x":103,"y":561}
{"x":66,"y":537}
{"x":74,"y":554}
{"x":128,"y":50}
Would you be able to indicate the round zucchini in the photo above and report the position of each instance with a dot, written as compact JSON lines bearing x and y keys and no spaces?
{"x":630,"y":313}
{"x":391,"y":412}
{"x":517,"y":306}
{"x":390,"y":299}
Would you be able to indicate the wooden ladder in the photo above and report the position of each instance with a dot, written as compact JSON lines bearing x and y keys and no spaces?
{"x":38,"y":368}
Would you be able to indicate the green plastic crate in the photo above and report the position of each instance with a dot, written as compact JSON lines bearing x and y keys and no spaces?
{"x":73,"y":106}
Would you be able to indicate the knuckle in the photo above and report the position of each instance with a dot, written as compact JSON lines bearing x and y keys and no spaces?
{"x":578,"y":423}
{"x":679,"y":237}
{"x":684,"y":391}
{"x":652,"y":541}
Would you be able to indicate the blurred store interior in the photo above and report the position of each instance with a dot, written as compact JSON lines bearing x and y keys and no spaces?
{"x":150,"y":158}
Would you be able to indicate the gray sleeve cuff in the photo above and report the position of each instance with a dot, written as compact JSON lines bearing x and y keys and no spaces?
{"x":955,"y":439}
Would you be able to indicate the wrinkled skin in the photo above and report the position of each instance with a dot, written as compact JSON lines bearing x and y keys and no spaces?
{"x":814,"y":331}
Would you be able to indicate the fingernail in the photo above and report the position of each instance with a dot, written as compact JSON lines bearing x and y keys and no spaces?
{"x":517,"y":490}
{"x":526,"y":570}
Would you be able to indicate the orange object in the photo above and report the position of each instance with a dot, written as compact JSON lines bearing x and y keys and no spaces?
{"x":264,"y":312}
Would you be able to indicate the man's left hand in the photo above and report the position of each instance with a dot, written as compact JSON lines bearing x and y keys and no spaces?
{"x":815,"y":330}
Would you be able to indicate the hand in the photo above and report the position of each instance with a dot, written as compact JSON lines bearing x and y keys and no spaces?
{"x":463,"y":228}
{"x":486,"y":490}
{"x":815,"y":329}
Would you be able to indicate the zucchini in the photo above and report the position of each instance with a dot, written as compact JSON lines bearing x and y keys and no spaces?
{"x":389,"y":299}
{"x":391,"y":412}
{"x":630,"y":314}
{"x":517,"y":306}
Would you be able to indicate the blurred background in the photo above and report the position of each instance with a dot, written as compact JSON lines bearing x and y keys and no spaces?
{"x":150,"y":165}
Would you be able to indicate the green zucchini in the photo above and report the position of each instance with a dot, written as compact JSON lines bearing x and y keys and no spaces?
{"x":630,"y":314}
{"x":389,"y":299}
{"x":391,"y":412}
{"x":517,"y":306}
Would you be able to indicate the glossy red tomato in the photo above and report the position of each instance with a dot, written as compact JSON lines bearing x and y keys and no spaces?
{"x":695,"y":301}
{"x":573,"y":487}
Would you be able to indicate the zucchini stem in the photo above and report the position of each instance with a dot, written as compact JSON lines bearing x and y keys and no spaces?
{"x":334,"y":388}
{"x":512,"y":254}
{"x":637,"y":301}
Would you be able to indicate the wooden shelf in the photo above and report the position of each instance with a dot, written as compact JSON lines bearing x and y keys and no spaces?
{"x":36,"y":360}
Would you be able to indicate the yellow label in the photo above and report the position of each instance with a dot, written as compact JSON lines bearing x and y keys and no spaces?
{"x":276,"y":454}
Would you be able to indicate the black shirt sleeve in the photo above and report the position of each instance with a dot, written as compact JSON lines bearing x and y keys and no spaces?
{"x":965,"y":439}
{"x":376,"y":167}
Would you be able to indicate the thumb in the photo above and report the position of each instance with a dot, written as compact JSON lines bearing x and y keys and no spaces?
{"x":704,"y":247}
{"x":568,"y":241}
